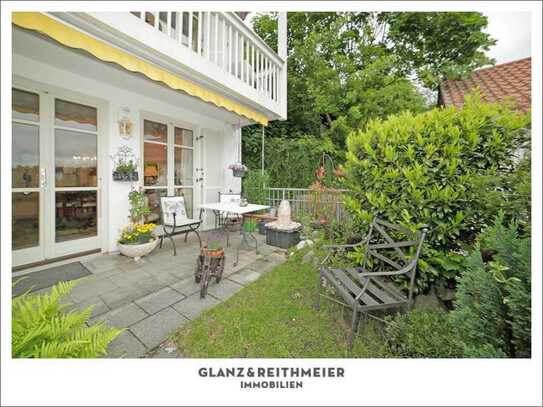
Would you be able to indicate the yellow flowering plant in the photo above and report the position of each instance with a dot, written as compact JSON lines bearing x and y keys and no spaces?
{"x":137,"y":233}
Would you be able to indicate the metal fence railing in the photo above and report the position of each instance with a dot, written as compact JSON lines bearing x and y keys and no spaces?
{"x":305,"y":202}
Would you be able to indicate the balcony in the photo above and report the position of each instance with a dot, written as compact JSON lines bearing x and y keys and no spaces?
{"x":215,"y":49}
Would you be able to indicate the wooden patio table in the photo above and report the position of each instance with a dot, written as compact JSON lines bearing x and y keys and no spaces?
{"x":234,"y":208}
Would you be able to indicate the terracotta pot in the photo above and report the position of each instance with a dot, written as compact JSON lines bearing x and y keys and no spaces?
{"x":137,"y":251}
{"x":212,"y":253}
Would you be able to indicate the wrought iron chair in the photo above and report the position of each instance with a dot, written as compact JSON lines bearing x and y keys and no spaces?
{"x":365,"y":289}
{"x":225,"y":216}
{"x":228,"y":221}
{"x":174,"y":220}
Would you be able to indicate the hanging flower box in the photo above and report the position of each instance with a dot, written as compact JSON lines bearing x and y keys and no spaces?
{"x":238,"y":169}
{"x":125,"y":176}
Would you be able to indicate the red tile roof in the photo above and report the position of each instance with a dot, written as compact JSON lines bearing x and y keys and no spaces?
{"x":512,"y":79}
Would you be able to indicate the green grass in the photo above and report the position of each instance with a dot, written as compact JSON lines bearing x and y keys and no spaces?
{"x":274,"y":318}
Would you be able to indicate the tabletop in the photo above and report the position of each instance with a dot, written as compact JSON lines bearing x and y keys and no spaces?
{"x":233,"y":207}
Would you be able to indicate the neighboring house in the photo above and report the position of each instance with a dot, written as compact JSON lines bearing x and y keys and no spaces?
{"x":511,"y":80}
{"x":174,"y":87}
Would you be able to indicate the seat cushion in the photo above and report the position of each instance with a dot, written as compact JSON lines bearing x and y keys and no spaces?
{"x":159,"y":230}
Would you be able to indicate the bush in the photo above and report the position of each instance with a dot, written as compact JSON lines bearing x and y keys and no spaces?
{"x":479,"y":317}
{"x":289,"y":162}
{"x":42,"y":328}
{"x":448,"y":169}
{"x":431,"y":334}
{"x":493,"y":301}
{"x":423,"y":334}
{"x":254,"y":183}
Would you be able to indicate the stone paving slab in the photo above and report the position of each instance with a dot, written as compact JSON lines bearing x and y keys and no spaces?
{"x":186,"y":286}
{"x":156,"y":295}
{"x":157,"y":282}
{"x":191,"y":307}
{"x":123,"y":295}
{"x":154,"y":329}
{"x":89,"y":289}
{"x":245,"y":276}
{"x":262,"y":266}
{"x":129,"y":277}
{"x":126,"y":345}
{"x":159,"y":300}
{"x":122,"y":317}
{"x":100,"y":306}
{"x":224,"y":290}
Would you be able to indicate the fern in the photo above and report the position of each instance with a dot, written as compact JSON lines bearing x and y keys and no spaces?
{"x":43,"y":328}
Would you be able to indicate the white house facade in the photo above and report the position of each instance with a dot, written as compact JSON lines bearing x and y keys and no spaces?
{"x":169,"y":90}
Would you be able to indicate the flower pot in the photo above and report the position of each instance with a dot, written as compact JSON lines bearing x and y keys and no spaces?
{"x":137,"y":251}
{"x":238,"y":173}
{"x":212,"y":253}
{"x":125,"y":176}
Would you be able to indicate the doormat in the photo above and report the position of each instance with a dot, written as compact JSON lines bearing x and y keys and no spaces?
{"x":48,"y":278}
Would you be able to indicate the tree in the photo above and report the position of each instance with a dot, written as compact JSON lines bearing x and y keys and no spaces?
{"x":345,"y":69}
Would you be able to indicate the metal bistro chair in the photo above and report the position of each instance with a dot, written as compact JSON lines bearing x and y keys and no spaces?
{"x":365,"y":289}
{"x":173,"y":216}
{"x":225,"y":197}
{"x":228,"y":221}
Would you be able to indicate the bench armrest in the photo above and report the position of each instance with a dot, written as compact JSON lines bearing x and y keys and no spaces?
{"x":404,"y":270}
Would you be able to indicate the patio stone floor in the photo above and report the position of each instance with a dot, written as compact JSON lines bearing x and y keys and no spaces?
{"x":157,"y":294}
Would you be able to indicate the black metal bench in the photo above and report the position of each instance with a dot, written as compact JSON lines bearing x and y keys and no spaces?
{"x":365,"y":289}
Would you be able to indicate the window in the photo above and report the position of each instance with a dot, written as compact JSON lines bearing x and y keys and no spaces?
{"x":168,"y":164}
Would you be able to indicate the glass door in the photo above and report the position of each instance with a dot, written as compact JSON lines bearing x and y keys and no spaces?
{"x":27,"y":177}
{"x":55,"y":185}
{"x":168,"y":164}
{"x":75,"y":186}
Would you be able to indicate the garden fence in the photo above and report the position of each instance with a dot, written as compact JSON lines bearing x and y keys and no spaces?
{"x":305,"y":202}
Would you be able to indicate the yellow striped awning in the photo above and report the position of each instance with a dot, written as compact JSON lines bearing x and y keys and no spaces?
{"x":72,"y":38}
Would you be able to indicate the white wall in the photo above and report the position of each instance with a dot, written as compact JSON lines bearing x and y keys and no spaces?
{"x":115,"y":203}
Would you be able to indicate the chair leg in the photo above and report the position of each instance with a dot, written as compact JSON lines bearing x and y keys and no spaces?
{"x":161,"y":241}
{"x":173,"y":244}
{"x":186,"y":235}
{"x":354,"y":327}
{"x":199,"y":238}
{"x":319,"y":287}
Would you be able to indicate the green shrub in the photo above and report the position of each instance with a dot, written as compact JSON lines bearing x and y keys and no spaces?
{"x":448,"y":169}
{"x":422,"y":334}
{"x":290,"y":162}
{"x":431,"y":334}
{"x":479,"y":317}
{"x":493,"y":299}
{"x":42,"y":328}
{"x":254,"y":184}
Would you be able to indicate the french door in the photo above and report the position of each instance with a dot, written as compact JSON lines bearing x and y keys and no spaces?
{"x":168,"y":163}
{"x":55,"y":182}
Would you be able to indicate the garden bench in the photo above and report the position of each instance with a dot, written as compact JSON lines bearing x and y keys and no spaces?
{"x":389,"y":250}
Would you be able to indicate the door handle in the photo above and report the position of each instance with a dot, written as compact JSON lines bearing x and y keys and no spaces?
{"x":43,"y":178}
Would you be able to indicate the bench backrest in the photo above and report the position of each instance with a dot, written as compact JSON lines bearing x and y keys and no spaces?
{"x":392,"y":247}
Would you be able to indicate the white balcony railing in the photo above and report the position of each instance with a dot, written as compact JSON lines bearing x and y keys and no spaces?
{"x":223,"y":40}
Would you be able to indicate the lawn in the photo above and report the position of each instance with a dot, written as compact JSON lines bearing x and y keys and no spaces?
{"x":274,"y":318}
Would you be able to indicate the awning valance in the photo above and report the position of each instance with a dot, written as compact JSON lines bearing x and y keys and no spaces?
{"x":72,"y":38}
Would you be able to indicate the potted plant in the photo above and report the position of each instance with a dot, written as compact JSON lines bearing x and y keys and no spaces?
{"x":137,"y":239}
{"x":238,"y":169}
{"x":125,"y":165}
{"x":126,"y":171}
{"x":213,"y":248}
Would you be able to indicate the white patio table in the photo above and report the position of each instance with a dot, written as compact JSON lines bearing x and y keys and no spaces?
{"x":234,"y":208}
